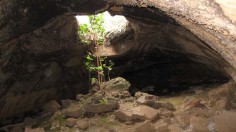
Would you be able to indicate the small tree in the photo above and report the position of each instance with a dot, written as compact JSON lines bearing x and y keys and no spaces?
{"x":93,"y":34}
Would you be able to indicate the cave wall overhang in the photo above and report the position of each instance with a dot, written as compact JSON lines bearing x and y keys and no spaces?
{"x":212,"y":22}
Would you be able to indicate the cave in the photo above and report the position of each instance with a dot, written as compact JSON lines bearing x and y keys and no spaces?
{"x":164,"y":61}
{"x":164,"y":48}
{"x":156,"y":63}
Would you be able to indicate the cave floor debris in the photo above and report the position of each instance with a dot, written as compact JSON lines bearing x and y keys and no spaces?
{"x":204,"y":109}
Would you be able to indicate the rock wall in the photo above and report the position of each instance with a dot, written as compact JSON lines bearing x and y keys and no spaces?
{"x":40,"y":58}
{"x":18,"y":17}
{"x":211,"y":21}
{"x":41,"y":65}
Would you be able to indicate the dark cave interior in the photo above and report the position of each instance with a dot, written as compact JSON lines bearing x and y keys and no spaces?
{"x":169,"y":75}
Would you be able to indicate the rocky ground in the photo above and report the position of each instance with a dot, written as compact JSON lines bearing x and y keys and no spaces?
{"x":208,"y":109}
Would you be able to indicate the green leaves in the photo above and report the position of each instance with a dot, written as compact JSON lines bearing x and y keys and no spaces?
{"x":103,"y":101}
{"x":94,"y":33}
{"x":109,"y":65}
{"x":100,"y":68}
{"x":94,"y":28}
{"x":88,"y":57}
{"x":90,"y":60}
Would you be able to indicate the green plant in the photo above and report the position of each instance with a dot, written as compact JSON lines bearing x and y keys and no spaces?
{"x":103,"y":101}
{"x":93,"y":34}
{"x":94,"y":31}
{"x":108,"y":67}
{"x":89,"y":65}
{"x":61,"y":119}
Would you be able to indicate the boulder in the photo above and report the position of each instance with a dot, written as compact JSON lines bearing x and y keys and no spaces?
{"x":222,"y":104}
{"x":55,"y":124}
{"x":147,"y":100}
{"x":83,"y":123}
{"x":225,"y":122}
{"x":66,"y":103}
{"x":166,"y":105}
{"x":165,"y":113}
{"x":184,"y":120}
{"x":125,"y":94}
{"x":124,"y":115}
{"x":169,"y":106}
{"x":120,"y":94}
{"x":222,"y":97}
{"x":161,"y":127}
{"x":198,"y":124}
{"x":224,"y":91}
{"x":116,"y":84}
{"x":147,"y":126}
{"x":140,"y":94}
{"x":73,"y":112}
{"x":141,"y":112}
{"x":100,"y":108}
{"x":51,"y":107}
{"x":70,"y":122}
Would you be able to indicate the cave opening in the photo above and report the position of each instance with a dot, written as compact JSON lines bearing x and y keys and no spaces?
{"x":163,"y":62}
{"x":157,"y":55}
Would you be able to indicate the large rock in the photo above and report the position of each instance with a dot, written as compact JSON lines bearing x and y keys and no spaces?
{"x":66,"y":103}
{"x":165,"y":113}
{"x":225,"y":122}
{"x":184,"y":120}
{"x":226,"y":90}
{"x":222,"y":104}
{"x":70,"y":122}
{"x":222,"y":96}
{"x":141,"y":112}
{"x":51,"y":107}
{"x":166,"y":105}
{"x":198,"y":124}
{"x":83,"y":123}
{"x":100,"y":108}
{"x":73,"y":112}
{"x":147,"y":126}
{"x":162,"y":127}
{"x":147,"y":99}
{"x":116,"y":84}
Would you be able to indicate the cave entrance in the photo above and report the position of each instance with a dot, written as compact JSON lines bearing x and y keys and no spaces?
{"x":158,"y":56}
{"x":165,"y":58}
